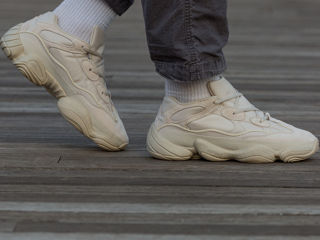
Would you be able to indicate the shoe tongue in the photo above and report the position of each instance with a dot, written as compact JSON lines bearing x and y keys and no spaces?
{"x":221,"y":88}
{"x":97,"y":44}
{"x":48,"y":17}
{"x":97,"y":40}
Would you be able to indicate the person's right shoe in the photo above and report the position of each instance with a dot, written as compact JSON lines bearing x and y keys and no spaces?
{"x":72,"y":71}
{"x":225,"y":127}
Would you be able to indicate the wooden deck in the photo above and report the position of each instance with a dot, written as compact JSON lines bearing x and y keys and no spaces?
{"x":56,"y":184}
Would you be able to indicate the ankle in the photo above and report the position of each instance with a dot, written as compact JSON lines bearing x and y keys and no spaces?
{"x":188,"y":91}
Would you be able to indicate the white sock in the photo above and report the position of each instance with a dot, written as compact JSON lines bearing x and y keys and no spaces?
{"x":79,"y":17}
{"x":189,"y":91}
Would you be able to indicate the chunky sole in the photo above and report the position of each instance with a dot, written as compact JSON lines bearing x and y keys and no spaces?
{"x":71,"y":108}
{"x":34,"y":70}
{"x":163,"y":149}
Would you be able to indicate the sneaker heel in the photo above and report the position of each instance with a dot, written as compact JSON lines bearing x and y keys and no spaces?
{"x":30,"y":67}
{"x":13,"y":48}
{"x":11,"y":43}
{"x":161,"y":148}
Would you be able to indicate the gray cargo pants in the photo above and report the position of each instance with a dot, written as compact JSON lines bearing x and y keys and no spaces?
{"x":185,"y":37}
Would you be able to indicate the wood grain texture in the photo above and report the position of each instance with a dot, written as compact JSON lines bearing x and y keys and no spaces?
{"x":56,"y":184}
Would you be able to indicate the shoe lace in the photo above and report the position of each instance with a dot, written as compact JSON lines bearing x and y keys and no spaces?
{"x":88,"y":52}
{"x":237,"y":95}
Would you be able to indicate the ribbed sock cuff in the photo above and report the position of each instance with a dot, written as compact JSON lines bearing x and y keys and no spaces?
{"x":79,"y":17}
{"x":188,"y":91}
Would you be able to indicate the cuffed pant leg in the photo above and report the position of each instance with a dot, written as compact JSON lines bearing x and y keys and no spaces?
{"x":186,"y":37}
{"x":119,"y":6}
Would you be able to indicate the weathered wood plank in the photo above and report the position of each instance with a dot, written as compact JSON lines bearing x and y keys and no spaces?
{"x":159,"y":194}
{"x":191,"y":229}
{"x":162,"y":208}
{"x":54,"y":180}
{"x":162,"y":218}
{"x":104,"y":236}
{"x":6,"y":225}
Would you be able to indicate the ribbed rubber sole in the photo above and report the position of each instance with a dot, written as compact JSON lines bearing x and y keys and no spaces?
{"x":163,"y":149}
{"x":74,"y":112}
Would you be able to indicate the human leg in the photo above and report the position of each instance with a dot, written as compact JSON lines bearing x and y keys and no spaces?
{"x":219,"y":124}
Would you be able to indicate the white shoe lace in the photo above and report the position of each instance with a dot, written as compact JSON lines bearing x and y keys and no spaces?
{"x":265,"y":115}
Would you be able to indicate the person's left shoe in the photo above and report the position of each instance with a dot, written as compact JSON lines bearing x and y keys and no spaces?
{"x":72,"y":71}
{"x":223,"y":127}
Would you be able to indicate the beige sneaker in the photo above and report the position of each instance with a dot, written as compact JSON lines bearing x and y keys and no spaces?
{"x":72,"y":71}
{"x":223,"y":127}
